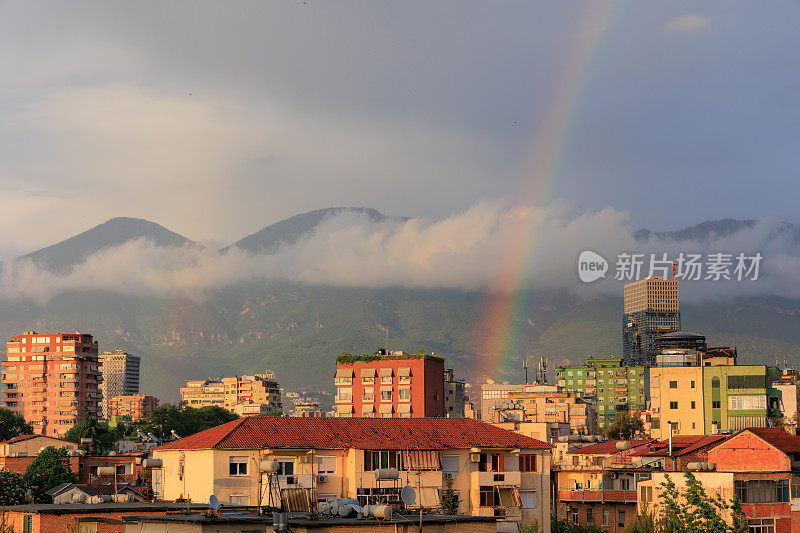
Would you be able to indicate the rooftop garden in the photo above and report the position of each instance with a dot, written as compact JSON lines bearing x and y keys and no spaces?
{"x":384,"y":355}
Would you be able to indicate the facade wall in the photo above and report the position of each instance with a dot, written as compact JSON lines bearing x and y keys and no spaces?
{"x":232,"y":393}
{"x":381,"y":397}
{"x":676,"y":397}
{"x":747,"y":453}
{"x":120,"y":376}
{"x":136,"y":407}
{"x":720,"y":388}
{"x":31,"y":447}
{"x":51,"y":379}
{"x":48,"y":523}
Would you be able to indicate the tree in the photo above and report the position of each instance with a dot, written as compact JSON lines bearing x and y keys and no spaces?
{"x":183,"y":420}
{"x":693,"y":510}
{"x":50,"y":468}
{"x":450,"y":499}
{"x":645,"y":523}
{"x":13,"y":424}
{"x":12,"y":488}
{"x":626,"y":426}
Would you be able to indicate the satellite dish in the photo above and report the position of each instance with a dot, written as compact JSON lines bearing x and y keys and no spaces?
{"x":408,"y":495}
{"x":213,"y":502}
{"x":358,"y":508}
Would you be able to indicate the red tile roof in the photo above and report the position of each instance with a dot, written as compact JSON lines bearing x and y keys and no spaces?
{"x":777,"y":437}
{"x":19,"y":438}
{"x":608,"y":448}
{"x":681,"y":445}
{"x":360,"y":433}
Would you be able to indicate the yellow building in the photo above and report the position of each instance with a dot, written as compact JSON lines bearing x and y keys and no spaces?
{"x":259,"y":391}
{"x":495,"y":472}
{"x":676,"y":397}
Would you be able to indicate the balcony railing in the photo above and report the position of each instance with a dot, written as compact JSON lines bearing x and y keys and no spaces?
{"x":597,"y":495}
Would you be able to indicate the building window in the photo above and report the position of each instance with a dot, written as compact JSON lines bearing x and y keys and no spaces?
{"x":368,"y":380}
{"x":497,"y":462}
{"x":285,"y":467}
{"x":747,"y":402}
{"x":606,"y":517}
{"x":692,"y":384}
{"x":238,"y":466}
{"x":404,"y":394}
{"x":673,"y":384}
{"x":715,"y":404}
{"x":590,"y":515}
{"x":386,"y":396}
{"x":692,"y":404}
{"x":673,"y":405}
{"x":574,"y":515}
{"x":326,"y":464}
{"x":527,"y":462}
{"x":369,"y":395}
{"x":489,"y":496}
{"x":621,"y":518}
{"x":27,"y":524}
{"x":382,"y":459}
{"x":239,"y":499}
{"x":761,"y":525}
{"x":763,"y":491}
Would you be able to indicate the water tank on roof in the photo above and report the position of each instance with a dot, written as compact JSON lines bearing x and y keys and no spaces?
{"x":624,"y":445}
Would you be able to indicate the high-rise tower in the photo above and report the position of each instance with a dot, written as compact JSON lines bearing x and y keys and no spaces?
{"x":651,"y":309}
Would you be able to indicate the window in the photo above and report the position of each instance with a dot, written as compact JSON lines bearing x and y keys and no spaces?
{"x":673,"y":405}
{"x":404,"y":394}
{"x":326,"y":464}
{"x":528,"y":498}
{"x":489,"y":496}
{"x":621,"y":517}
{"x":450,"y":464}
{"x":239,"y":499}
{"x":574,"y":516}
{"x":715,"y":383}
{"x":382,"y":459}
{"x":747,"y":402}
{"x":238,"y":466}
{"x":527,"y":462}
{"x":625,"y":484}
{"x":386,"y":396}
{"x":368,"y":380}
{"x":285,"y":467}
{"x":761,"y":525}
{"x":715,"y":404}
{"x":27,"y":524}
{"x":606,"y":517}
{"x":692,"y":404}
{"x":673,"y":384}
{"x":590,"y":515}
{"x":691,"y":384}
{"x":369,"y":395}
{"x":763,"y":491}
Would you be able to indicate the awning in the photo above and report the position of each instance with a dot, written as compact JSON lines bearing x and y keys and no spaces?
{"x":386,"y":388}
{"x":344,"y":408}
{"x":404,"y":371}
{"x":421,"y":459}
{"x":509,"y":495}
{"x":367,"y":372}
{"x":404,"y":408}
{"x":385,"y":408}
{"x":429,"y":497}
{"x":344,"y":373}
{"x":386,"y":372}
{"x":366,"y":408}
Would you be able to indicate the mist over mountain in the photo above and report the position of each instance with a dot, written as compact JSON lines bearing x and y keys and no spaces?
{"x":294,"y":295}
{"x":63,"y":256}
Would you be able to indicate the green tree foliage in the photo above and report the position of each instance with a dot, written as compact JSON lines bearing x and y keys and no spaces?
{"x":103,"y":437}
{"x":50,"y":468}
{"x":645,"y":523}
{"x":12,"y":488}
{"x":563,"y":526}
{"x":12,"y":425}
{"x":694,"y":510}
{"x":183,"y":420}
{"x":626,"y":426}
{"x":450,"y":499}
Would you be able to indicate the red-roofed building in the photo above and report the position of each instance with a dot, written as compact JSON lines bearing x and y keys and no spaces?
{"x":759,"y":465}
{"x":495,"y":471}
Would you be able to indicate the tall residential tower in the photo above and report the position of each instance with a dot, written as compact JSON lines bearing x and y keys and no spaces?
{"x":120,"y":376}
{"x":651,"y":310}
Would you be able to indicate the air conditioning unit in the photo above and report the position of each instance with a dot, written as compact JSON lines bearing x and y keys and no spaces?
{"x":474,"y":458}
{"x":322,"y":479}
{"x":449,"y":475}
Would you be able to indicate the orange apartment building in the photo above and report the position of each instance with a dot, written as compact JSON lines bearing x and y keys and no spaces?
{"x":51,"y":379}
{"x":390,"y":385}
{"x":133,"y":406}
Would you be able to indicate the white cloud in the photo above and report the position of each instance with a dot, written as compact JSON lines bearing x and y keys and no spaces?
{"x":687,"y":23}
{"x":477,"y":249}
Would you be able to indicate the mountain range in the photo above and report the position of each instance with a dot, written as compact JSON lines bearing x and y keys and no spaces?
{"x":297,"y":330}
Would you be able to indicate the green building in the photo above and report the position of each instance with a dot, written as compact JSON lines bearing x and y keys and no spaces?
{"x":738,"y":397}
{"x":608,"y":383}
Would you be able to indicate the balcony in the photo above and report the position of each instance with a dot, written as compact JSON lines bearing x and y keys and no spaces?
{"x":597,"y":495}
{"x":496,"y":478}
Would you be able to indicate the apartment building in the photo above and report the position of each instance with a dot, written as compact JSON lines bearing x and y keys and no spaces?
{"x":52,"y":379}
{"x":496,"y":472}
{"x":493,"y":395}
{"x":308,"y":410}
{"x":611,"y":385}
{"x":454,"y":397}
{"x":120,"y":376}
{"x":596,"y":484}
{"x":134,"y":407}
{"x":758,"y":465}
{"x":390,"y":385}
{"x":250,"y":395}
{"x":705,"y":398}
{"x":555,"y":408}
{"x":652,"y":308}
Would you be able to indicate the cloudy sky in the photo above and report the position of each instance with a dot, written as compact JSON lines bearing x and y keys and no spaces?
{"x":216,"y":119}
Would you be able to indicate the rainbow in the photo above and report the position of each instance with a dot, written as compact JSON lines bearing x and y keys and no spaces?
{"x":506,"y":307}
